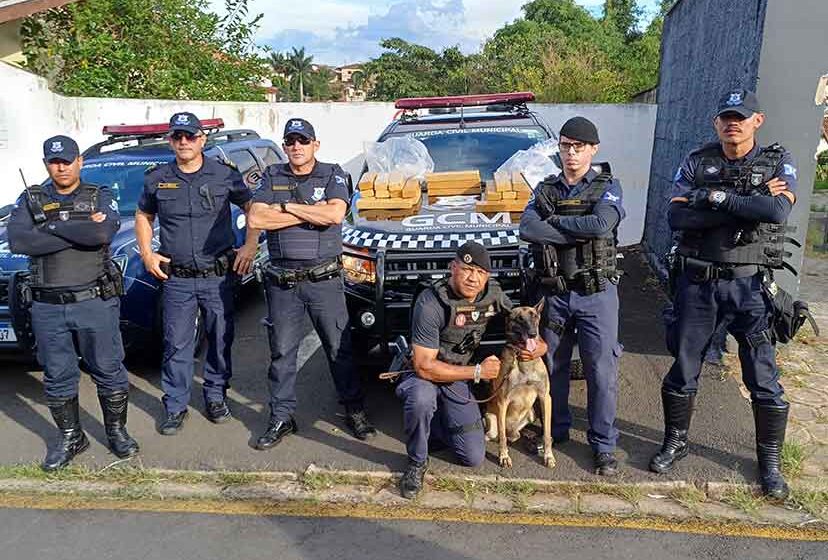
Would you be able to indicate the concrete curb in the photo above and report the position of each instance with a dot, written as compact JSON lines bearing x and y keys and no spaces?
{"x":675,"y":500}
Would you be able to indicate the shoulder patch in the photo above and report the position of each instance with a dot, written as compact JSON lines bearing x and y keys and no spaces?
{"x":789,"y":169}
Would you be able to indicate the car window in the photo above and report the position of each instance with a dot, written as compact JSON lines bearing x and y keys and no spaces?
{"x":248,"y":167}
{"x":484,"y":148}
{"x":268,"y":155}
{"x":124,"y":178}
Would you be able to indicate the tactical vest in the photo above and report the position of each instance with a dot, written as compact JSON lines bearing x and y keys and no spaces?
{"x":465,"y":321}
{"x":738,"y":242}
{"x":74,"y":266}
{"x":304,"y":241}
{"x":592,"y":255}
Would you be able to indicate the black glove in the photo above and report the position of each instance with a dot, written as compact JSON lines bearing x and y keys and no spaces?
{"x":699,"y":199}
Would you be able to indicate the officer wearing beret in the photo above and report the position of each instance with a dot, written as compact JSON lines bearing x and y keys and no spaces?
{"x":65,"y":226}
{"x":449,"y":319}
{"x":571,"y":224}
{"x":197,"y":264}
{"x":731,"y":200}
{"x":301,"y":204}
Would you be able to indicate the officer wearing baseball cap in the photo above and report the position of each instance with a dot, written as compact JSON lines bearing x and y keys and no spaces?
{"x":65,"y":226}
{"x":196,"y":263}
{"x":731,"y":200}
{"x":571,"y":225}
{"x":302,"y":204}
{"x":449,"y":319}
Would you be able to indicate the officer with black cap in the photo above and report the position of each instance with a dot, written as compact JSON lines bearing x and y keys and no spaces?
{"x":197,"y":264}
{"x":731,"y":200}
{"x":65,"y":226}
{"x":571,"y":224}
{"x":301,"y":204}
{"x":448,"y":322}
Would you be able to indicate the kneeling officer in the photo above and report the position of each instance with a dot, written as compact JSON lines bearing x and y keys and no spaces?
{"x":65,"y":226}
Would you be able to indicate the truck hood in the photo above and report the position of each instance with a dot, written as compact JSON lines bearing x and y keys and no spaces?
{"x":444,"y":224}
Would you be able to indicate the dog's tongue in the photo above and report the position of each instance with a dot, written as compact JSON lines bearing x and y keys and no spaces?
{"x":531,"y":344}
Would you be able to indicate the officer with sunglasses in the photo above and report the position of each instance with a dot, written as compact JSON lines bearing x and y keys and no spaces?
{"x":301,"y":204}
{"x":197,"y":264}
{"x":571,"y":224}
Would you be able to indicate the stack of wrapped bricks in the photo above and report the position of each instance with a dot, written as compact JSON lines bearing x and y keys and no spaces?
{"x":453,"y":183}
{"x":508,"y":192}
{"x":388,"y":196}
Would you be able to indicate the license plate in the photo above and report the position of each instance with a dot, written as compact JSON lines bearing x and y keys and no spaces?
{"x":7,"y":333}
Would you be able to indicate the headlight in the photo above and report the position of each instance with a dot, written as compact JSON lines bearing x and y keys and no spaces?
{"x":358,"y":270}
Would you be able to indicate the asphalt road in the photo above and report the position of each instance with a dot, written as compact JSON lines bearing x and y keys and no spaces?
{"x":120,"y":535}
{"x":722,"y":431}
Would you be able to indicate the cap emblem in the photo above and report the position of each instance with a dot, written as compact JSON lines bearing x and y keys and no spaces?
{"x":182,"y":119}
{"x":57,"y":146}
{"x":734,"y":99}
{"x":467,"y":258}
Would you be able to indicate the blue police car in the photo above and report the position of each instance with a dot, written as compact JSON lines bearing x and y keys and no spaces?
{"x":120,"y":162}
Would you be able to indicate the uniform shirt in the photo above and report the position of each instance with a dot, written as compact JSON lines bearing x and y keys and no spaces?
{"x":606,"y":214}
{"x":749,"y":208}
{"x":193,"y":210}
{"x":28,"y":238}
{"x":429,"y":318}
{"x":304,"y":244}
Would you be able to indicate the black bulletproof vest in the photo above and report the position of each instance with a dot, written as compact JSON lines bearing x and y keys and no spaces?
{"x":596,"y":253}
{"x":739,"y":241}
{"x":465,"y":321}
{"x":74,"y":266}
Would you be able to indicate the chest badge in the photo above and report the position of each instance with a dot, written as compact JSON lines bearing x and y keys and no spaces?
{"x":167,"y":185}
{"x":318,"y":193}
{"x":756,"y":179}
{"x":460,"y":320}
{"x":712,"y":170}
{"x":475,"y":315}
{"x":63,"y":215}
{"x":83,"y":207}
{"x":51,"y":206}
{"x":490,"y":312}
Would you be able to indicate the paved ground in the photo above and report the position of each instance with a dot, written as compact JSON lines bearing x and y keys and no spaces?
{"x":170,"y":536}
{"x":722,"y":431}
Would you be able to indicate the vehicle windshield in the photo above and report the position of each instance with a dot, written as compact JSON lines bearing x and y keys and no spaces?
{"x":124,"y":178}
{"x":484,"y":148}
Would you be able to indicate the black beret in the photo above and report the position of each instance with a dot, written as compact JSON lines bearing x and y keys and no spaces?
{"x":581,"y":129}
{"x":474,"y":253}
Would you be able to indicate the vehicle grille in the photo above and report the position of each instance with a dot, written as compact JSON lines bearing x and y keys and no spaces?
{"x":4,"y":292}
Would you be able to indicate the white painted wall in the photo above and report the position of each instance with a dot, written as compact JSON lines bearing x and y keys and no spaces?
{"x":30,"y":113}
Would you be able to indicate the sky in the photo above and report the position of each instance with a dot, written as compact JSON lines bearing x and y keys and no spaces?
{"x":339,"y":32}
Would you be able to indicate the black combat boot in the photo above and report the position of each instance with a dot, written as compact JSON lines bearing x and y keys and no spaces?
{"x":357,"y":421}
{"x":411,"y":483}
{"x":114,"y":407}
{"x":771,"y":421}
{"x":72,"y":439}
{"x":678,"y":408}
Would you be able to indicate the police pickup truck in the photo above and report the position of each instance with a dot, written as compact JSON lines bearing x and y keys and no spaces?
{"x":387,"y":261}
{"x":119,"y":162}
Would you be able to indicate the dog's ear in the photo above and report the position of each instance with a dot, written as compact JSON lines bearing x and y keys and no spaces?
{"x":539,"y":306}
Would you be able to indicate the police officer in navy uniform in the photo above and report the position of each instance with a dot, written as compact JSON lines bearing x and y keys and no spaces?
{"x":731,"y":200}
{"x":571,"y":224}
{"x":301,"y":204}
{"x":448,"y":321}
{"x":197,"y":264}
{"x":65,"y":226}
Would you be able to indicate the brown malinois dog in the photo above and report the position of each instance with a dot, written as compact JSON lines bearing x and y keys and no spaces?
{"x":518,"y":385}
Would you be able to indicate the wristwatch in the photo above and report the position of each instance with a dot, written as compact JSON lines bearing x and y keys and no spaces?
{"x":477,"y":373}
{"x":717,"y":197}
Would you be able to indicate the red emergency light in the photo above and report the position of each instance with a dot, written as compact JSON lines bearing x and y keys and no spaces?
{"x":464,"y":100}
{"x":153,"y":129}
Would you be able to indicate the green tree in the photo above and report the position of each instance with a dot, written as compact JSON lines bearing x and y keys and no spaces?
{"x":299,"y":65}
{"x":623,"y":16}
{"x":169,"y":49}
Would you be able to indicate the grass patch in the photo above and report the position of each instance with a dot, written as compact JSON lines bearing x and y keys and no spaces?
{"x":811,"y":501}
{"x":688,"y":496}
{"x":821,"y":185}
{"x":631,"y":494}
{"x":793,"y":459}
{"x":468,"y":488}
{"x":236,"y":478}
{"x":322,"y":480}
{"x":743,"y":499}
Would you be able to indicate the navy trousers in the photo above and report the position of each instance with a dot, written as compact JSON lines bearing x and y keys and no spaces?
{"x":181,"y":299}
{"x":432,"y":412}
{"x":699,"y":310}
{"x":324,"y":302}
{"x":592,"y":321}
{"x":94,"y":324}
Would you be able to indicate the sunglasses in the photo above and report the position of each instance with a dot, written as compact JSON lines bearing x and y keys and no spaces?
{"x":177,"y":136}
{"x":294,"y":139}
{"x":577,"y":146}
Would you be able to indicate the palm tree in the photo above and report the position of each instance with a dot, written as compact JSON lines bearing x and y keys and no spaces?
{"x":279,"y":63}
{"x":299,"y":66}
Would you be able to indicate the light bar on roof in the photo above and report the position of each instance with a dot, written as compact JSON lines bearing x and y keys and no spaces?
{"x":464,"y":100}
{"x":153,"y":129}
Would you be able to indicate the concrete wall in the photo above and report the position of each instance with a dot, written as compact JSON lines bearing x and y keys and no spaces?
{"x":708,"y":47}
{"x":777,"y":48}
{"x":626,"y":131}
